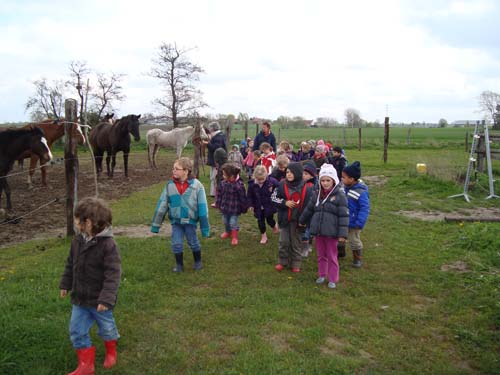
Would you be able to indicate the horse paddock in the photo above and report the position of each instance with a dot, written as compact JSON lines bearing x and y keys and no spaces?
{"x":50,"y":220}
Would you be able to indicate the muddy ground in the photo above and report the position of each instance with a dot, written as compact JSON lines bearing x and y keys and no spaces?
{"x":50,"y":220}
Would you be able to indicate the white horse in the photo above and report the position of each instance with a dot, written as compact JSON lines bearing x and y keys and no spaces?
{"x":176,"y":138}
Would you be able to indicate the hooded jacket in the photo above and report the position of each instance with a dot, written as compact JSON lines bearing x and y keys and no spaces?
{"x":218,"y":140}
{"x":93,"y":270}
{"x":358,"y":200}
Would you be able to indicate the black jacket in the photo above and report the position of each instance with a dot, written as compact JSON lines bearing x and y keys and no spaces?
{"x":217,"y":141}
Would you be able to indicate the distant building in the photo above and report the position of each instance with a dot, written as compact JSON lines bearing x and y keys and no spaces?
{"x":462,"y":123}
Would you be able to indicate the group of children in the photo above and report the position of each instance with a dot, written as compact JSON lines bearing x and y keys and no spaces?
{"x":332,"y":208}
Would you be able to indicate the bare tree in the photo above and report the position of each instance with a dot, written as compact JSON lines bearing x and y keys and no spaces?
{"x":79,"y":73}
{"x":108,"y":90}
{"x":353,"y":118}
{"x":48,"y":100}
{"x":178,"y":74}
{"x":488,"y":101}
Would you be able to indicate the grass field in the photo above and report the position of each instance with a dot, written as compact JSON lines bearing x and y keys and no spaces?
{"x":407,"y":311}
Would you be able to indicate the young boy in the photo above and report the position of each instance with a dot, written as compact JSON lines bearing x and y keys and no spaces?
{"x":268,"y":158}
{"x":235,"y":156}
{"x":359,"y":208}
{"x":185,"y":203}
{"x":338,"y":160}
{"x":309,"y":177}
{"x":92,"y":274}
{"x":290,"y":198}
{"x":279,"y":171}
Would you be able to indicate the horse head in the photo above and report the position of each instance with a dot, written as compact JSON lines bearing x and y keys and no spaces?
{"x":133,"y":126}
{"x":109,"y":118}
{"x":39,"y":146}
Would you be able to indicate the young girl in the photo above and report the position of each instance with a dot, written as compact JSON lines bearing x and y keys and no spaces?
{"x":235,"y":156}
{"x":268,"y":159}
{"x":185,"y":203}
{"x":328,"y":218}
{"x":92,"y":274}
{"x":290,"y":197}
{"x":260,"y":190}
{"x":248,"y":161}
{"x":231,"y":200}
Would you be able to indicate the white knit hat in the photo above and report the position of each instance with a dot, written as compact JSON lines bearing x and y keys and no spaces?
{"x":329,"y":170}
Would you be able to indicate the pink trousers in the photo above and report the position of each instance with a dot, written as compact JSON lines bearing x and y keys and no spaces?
{"x":328,"y":263}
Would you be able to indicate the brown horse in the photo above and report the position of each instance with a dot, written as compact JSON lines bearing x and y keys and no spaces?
{"x":53,"y":130}
{"x":111,"y":139}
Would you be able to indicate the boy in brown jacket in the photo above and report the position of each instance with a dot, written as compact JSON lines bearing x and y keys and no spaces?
{"x":92,"y":274}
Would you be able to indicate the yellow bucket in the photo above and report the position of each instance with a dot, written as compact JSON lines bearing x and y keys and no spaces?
{"x":422,"y":168}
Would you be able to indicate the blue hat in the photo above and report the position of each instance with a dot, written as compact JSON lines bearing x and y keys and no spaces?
{"x":353,"y":170}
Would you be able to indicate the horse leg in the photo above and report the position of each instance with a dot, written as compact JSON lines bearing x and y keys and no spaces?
{"x":125,"y":162}
{"x":98,"y":161}
{"x":6,"y":188}
{"x":155,"y":152}
{"x":33,"y":162}
{"x":108,"y":158}
{"x":149,"y":156}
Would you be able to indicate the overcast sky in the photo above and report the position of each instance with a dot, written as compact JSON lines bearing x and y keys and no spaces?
{"x":418,"y":60}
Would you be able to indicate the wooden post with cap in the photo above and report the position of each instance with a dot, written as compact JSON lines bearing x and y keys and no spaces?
{"x":70,"y":164}
{"x":386,"y":138}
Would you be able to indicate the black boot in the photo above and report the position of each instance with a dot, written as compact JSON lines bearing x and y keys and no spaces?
{"x":197,"y":260}
{"x":357,"y":255}
{"x":179,"y":262}
{"x":341,"y":249}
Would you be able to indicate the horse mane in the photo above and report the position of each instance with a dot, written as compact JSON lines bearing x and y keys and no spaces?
{"x":16,"y":132}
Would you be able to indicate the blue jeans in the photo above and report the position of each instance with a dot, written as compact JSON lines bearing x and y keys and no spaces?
{"x":230,"y":222}
{"x":178,"y":233}
{"x":83,"y":318}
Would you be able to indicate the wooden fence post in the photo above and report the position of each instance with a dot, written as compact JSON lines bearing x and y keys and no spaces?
{"x":386,"y":138}
{"x":70,"y":164}
{"x":246,"y":129}
{"x":359,"y":138}
{"x":467,"y":141}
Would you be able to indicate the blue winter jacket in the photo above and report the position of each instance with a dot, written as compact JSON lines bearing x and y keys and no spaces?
{"x":358,"y":200}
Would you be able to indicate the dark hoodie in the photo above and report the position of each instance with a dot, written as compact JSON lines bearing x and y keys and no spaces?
{"x":295,"y":190}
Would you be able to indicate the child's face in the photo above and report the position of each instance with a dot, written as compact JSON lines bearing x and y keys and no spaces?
{"x":336,"y":154}
{"x":289,"y":175}
{"x":83,"y":226}
{"x":179,"y":172}
{"x":347,"y":180}
{"x":327,"y":183}
{"x":306,"y":176}
{"x":260,"y":180}
{"x":266,"y":151}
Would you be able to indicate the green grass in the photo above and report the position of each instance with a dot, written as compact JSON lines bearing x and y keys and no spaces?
{"x":400,"y":313}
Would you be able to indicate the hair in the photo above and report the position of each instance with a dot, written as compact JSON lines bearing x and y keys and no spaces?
{"x":260,"y":172}
{"x":337,"y":149}
{"x":230,"y":170}
{"x":306,"y":146}
{"x":214,"y":126}
{"x":282,"y":161}
{"x":257,"y":154}
{"x":95,"y":210}
{"x":285,"y":146}
{"x":265,"y":146}
{"x":185,"y":163}
{"x":265,"y":123}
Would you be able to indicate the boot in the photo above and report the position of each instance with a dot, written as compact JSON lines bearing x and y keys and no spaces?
{"x":357,"y":254}
{"x":86,"y":358}
{"x":341,"y":249}
{"x":110,"y":359}
{"x":225,"y":235}
{"x":197,"y":261}
{"x":263,"y":239}
{"x":179,"y":262}
{"x":234,"y":237}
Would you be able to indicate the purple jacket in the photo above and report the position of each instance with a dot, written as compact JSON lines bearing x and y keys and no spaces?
{"x":231,"y":197}
{"x":260,"y":197}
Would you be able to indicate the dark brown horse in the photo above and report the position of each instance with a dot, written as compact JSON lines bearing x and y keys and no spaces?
{"x":112,"y":139}
{"x":13,"y":143}
{"x":53,"y":130}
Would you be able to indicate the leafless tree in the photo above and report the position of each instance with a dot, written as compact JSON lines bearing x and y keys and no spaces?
{"x":178,"y":74}
{"x":79,"y":77}
{"x":353,"y":118}
{"x":47,"y":101}
{"x":108,"y":90}
{"x":488,"y":101}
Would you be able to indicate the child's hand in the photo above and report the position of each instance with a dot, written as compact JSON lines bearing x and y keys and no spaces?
{"x":101,"y":308}
{"x":342,"y":239}
{"x":63,"y":293}
{"x":290,"y":204}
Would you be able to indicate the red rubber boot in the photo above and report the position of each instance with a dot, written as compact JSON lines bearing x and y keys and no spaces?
{"x":234,"y":237}
{"x":110,"y":359}
{"x":86,"y":358}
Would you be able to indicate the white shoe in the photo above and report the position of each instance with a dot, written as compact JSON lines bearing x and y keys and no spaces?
{"x":332,"y":285}
{"x":320,"y":280}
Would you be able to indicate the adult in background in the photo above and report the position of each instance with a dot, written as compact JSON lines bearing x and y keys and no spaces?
{"x":217,"y":140}
{"x":265,"y":135}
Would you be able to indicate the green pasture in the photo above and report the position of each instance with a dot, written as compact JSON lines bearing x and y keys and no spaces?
{"x":425,"y":302}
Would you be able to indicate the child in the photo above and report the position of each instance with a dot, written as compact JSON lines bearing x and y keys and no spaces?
{"x":268,"y":158}
{"x":359,"y":208}
{"x":279,"y":171}
{"x":338,"y":161}
{"x":235,"y":156}
{"x":291,"y":196}
{"x":231,"y":200}
{"x":328,"y":219}
{"x":248,"y":161}
{"x":309,"y":177}
{"x":305,"y":153}
{"x":286,"y":149}
{"x":260,"y":190}
{"x":184,"y":201}
{"x":319,"y":156}
{"x":92,"y":274}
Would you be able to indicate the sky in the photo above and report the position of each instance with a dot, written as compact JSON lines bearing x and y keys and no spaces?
{"x":414,"y":61}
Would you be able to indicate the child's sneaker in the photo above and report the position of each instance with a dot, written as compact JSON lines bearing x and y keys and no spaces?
{"x":356,"y":263}
{"x":295,"y":269}
{"x":320,"y":280}
{"x":306,"y":251}
{"x":331,"y":285}
{"x":263,"y":239}
{"x":279,"y":267}
{"x":178,"y":268}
